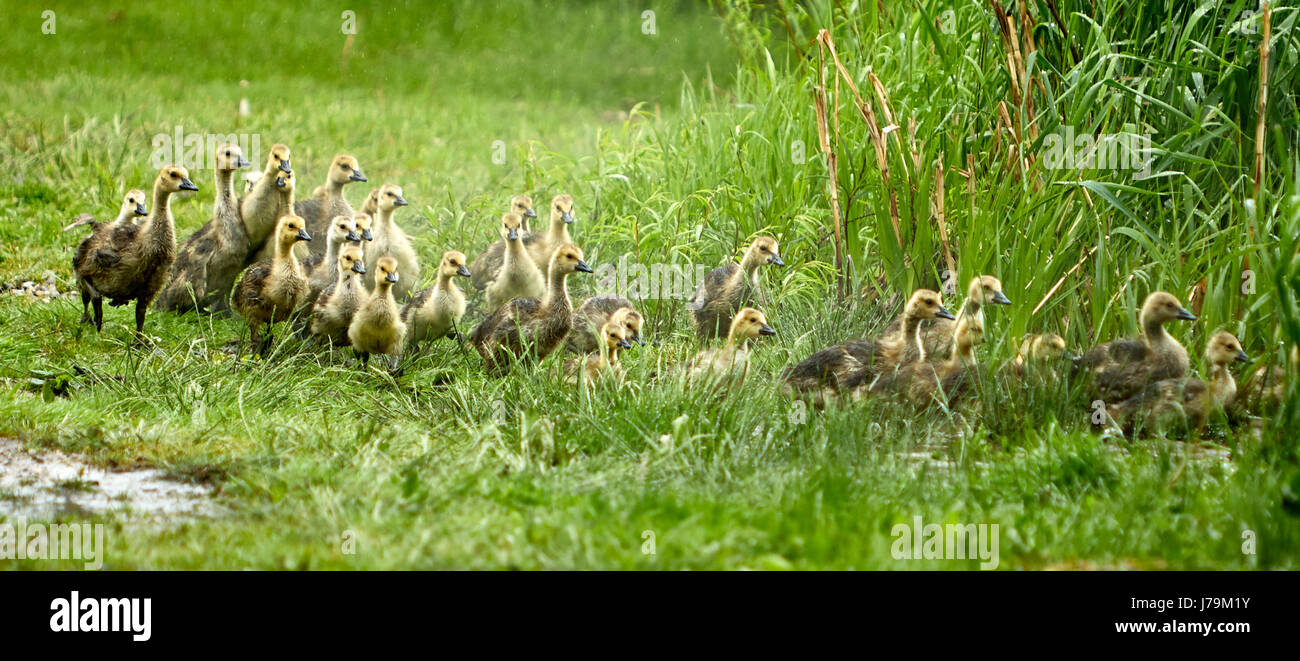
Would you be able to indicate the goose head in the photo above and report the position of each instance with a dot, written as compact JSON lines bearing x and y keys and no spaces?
{"x":749,"y":324}
{"x":230,"y":157}
{"x":290,"y":230}
{"x":614,"y":336}
{"x":343,"y":230}
{"x":986,"y":290}
{"x":174,"y":178}
{"x":364,"y":222}
{"x":351,"y":260}
{"x":631,"y":321}
{"x":453,"y":264}
{"x":1224,"y":348}
{"x":762,"y":251}
{"x":568,"y":259}
{"x":1163,"y":306}
{"x":510,"y":226}
{"x":344,"y":169}
{"x":278,"y":161}
{"x":133,"y":204}
{"x":523,"y":205}
{"x":385,"y":272}
{"x":390,"y":197}
{"x":561,"y":210}
{"x":926,"y":304}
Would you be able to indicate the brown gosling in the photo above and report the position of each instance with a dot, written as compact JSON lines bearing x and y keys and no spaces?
{"x":124,"y":262}
{"x":731,"y":286}
{"x":1184,"y":403}
{"x":260,"y":207}
{"x":518,"y":276}
{"x":318,"y":210}
{"x":132,"y":207}
{"x":434,"y":312}
{"x":603,"y":362}
{"x":731,"y":360}
{"x":377,"y":326}
{"x":1122,"y":368}
{"x":271,"y":290}
{"x":391,"y":241}
{"x":211,"y":258}
{"x":338,"y":302}
{"x":593,"y":313}
{"x":529,"y":329}
{"x":854,"y":365}
{"x":923,"y":382}
{"x":937,"y":334}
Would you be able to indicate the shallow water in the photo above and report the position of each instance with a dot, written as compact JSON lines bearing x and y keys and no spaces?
{"x":49,"y":484}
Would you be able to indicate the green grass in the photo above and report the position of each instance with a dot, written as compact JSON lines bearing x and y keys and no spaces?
{"x":446,"y":468}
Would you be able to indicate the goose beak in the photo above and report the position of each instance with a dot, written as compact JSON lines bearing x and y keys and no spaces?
{"x":624,"y":344}
{"x":280,"y":182}
{"x":358,"y":267}
{"x":391,"y":277}
{"x":766,"y":330}
{"x":140,"y":210}
{"x":530,"y":213}
{"x":582,"y":266}
{"x":943,"y":313}
{"x":514,"y":234}
{"x":1185,"y":315}
{"x":1000,"y":298}
{"x":303,"y":235}
{"x":186,"y":184}
{"x":242,"y":162}
{"x":352,"y":236}
{"x":284,"y":167}
{"x":462,"y":271}
{"x":776,"y":259}
{"x":365,"y":234}
{"x":399,"y":202}
{"x":356,"y":176}
{"x":1242,"y":357}
{"x":567,"y":217}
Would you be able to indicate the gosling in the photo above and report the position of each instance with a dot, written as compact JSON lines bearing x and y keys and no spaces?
{"x":594,"y":313}
{"x":260,"y":207}
{"x":529,"y":329}
{"x":602,"y":363}
{"x":1122,"y":368}
{"x":518,"y":276}
{"x":124,"y":262}
{"x":211,"y":258}
{"x":1184,"y":403}
{"x":731,"y":360}
{"x":488,"y":265}
{"x":338,"y":302}
{"x":729,"y":287}
{"x":318,"y":210}
{"x":270,"y":291}
{"x":377,"y":326}
{"x":433,"y":313}
{"x":391,"y":241}
{"x":132,"y":207}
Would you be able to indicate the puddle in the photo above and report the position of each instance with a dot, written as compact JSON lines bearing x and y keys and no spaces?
{"x":43,"y":485}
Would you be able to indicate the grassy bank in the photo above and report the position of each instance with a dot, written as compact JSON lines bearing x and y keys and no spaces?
{"x":679,"y":146}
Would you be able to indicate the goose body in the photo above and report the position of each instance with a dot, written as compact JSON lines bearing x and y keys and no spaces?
{"x":377,"y":326}
{"x":594,"y":313}
{"x":338,"y":302}
{"x":270,"y":291}
{"x":1122,"y":368}
{"x":434,"y":312}
{"x":1184,"y":402}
